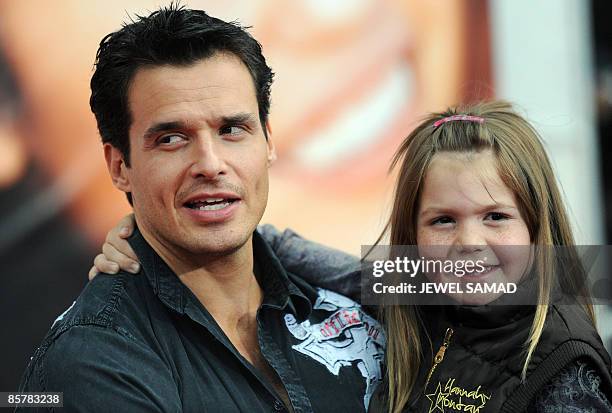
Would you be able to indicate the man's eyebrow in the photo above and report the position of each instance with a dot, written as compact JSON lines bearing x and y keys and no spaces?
{"x":239,"y":118}
{"x":162,"y":127}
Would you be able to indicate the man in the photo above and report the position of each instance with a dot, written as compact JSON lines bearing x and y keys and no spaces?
{"x":213,"y":322}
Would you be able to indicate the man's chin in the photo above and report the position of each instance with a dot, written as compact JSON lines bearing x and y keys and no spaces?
{"x":217,"y":246}
{"x":223,"y":250}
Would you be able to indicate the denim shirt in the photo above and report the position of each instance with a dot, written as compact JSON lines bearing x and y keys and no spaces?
{"x":145,"y":343}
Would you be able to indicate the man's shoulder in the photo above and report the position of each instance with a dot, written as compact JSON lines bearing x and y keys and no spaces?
{"x":99,"y":301}
{"x":99,"y":342}
{"x":100,"y":368}
{"x":110,"y":302}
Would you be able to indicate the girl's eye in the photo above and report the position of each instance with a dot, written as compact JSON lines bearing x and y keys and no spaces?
{"x":170,"y":139}
{"x":496,"y":216}
{"x":442,"y":220}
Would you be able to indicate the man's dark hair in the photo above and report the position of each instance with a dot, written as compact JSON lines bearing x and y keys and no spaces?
{"x":175,"y":36}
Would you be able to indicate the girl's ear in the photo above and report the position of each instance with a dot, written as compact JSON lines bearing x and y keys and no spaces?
{"x":117,"y":167}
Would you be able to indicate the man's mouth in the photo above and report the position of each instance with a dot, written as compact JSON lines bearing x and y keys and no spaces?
{"x":210,"y":204}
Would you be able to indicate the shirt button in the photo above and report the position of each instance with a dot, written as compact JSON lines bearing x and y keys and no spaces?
{"x":279,"y":406}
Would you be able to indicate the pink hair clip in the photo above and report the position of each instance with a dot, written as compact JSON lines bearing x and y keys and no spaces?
{"x":468,"y":118}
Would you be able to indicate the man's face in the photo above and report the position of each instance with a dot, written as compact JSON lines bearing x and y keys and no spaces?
{"x":199,"y":157}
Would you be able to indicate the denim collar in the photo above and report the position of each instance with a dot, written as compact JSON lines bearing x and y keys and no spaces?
{"x":279,"y":292}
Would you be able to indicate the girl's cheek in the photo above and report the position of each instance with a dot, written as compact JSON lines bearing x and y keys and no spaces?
{"x":427,"y":236}
{"x":515,"y":260}
{"x":515,"y":234}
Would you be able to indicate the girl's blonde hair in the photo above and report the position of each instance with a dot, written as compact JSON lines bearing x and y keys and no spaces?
{"x":525,"y":169}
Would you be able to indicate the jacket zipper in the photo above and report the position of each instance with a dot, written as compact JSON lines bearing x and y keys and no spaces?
{"x":439,"y":355}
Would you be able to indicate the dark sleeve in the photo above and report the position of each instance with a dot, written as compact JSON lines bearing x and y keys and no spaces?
{"x":317,"y":264}
{"x":575,"y":389}
{"x":101,"y":370}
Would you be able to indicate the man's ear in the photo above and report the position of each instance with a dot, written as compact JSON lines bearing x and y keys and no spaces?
{"x":117,"y":168}
{"x":270,"y":143}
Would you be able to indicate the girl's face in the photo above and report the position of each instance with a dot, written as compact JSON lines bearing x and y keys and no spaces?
{"x":467,"y":213}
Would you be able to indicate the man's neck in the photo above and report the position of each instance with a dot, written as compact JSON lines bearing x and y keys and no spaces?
{"x":224,"y":284}
{"x":228,"y":290}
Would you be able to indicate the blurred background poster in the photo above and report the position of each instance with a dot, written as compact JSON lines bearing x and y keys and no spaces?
{"x":353,"y":77}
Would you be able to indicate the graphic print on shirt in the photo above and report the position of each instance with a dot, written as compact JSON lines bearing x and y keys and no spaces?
{"x":347,"y":337}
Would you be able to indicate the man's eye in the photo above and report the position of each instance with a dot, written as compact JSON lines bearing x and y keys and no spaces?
{"x":442,"y":220}
{"x":170,"y":139}
{"x":231,"y":130}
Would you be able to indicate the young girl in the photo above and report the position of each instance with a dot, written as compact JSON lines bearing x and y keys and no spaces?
{"x":474,"y":180}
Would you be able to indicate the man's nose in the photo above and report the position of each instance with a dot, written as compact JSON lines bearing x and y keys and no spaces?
{"x":207,"y":159}
{"x":469,"y":238}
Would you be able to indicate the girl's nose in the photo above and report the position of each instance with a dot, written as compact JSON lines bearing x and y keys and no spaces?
{"x":469,"y":238}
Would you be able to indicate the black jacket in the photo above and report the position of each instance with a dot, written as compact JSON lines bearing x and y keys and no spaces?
{"x":481,"y":368}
